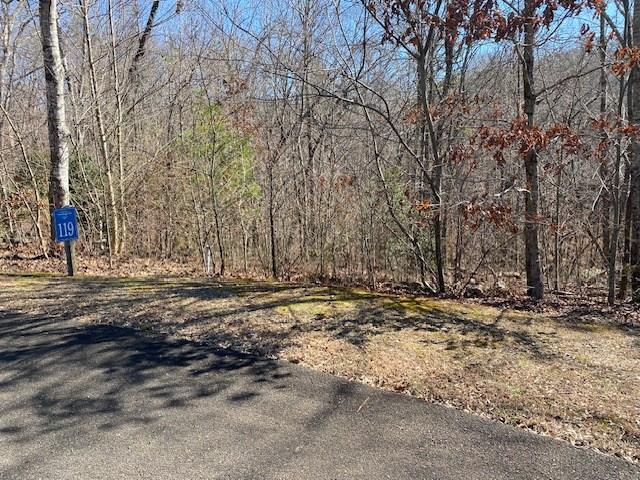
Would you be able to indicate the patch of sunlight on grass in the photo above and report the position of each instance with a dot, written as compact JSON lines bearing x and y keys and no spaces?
{"x":28,"y":280}
{"x":514,"y":390}
{"x":357,"y":294}
{"x":148,"y":284}
{"x":326,"y":301}
{"x":435,"y":306}
{"x":593,"y":328}
{"x":30,"y":274}
{"x":141,"y":287}
{"x":408,"y":305}
{"x":316,"y":305}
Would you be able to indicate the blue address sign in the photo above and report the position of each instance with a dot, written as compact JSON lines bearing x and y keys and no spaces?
{"x":65,"y":221}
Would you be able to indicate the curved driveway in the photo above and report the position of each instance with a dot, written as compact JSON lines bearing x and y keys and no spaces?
{"x":101,"y":402}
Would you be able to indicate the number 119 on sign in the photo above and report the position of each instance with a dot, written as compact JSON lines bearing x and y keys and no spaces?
{"x":66,"y":229}
{"x":65,"y":221}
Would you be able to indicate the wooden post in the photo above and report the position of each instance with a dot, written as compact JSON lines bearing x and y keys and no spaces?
{"x":68,"y":250}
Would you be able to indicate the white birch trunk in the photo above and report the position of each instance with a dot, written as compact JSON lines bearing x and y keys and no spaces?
{"x":56,"y":118}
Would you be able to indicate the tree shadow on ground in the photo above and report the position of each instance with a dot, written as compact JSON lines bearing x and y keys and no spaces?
{"x":64,"y":384}
{"x":228,"y":305}
{"x":38,"y":353}
{"x":133,"y":380}
{"x":586,"y":319}
{"x":367,"y":315}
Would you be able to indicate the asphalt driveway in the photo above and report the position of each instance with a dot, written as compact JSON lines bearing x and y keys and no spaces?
{"x":101,"y":402}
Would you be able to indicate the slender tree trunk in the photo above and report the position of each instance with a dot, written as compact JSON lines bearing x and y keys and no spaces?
{"x":428,"y":134}
{"x":618,"y":200}
{"x":216,"y":218}
{"x":5,"y":200}
{"x":615,"y":233}
{"x":626,"y":249}
{"x":245,"y":244}
{"x":556,"y":236}
{"x":5,"y":50}
{"x":121,"y":244}
{"x":309,"y":240}
{"x":610,"y":195}
{"x":603,"y":167}
{"x":635,"y":169}
{"x":272,"y":228}
{"x":535,"y":288}
{"x":142,"y":42}
{"x":102,"y":136}
{"x":56,"y":117}
{"x":626,"y":233}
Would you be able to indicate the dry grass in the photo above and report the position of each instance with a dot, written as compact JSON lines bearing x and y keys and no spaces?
{"x":556,"y":374}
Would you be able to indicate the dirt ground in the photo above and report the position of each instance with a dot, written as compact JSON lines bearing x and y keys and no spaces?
{"x":561,"y":374}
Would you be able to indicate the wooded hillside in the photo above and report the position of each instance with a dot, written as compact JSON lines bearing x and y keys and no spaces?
{"x":462,"y":146}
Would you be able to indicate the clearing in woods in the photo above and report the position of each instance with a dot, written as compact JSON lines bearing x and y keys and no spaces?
{"x":557,"y":375}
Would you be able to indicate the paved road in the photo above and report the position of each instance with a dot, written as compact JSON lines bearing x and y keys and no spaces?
{"x":100,"y":402}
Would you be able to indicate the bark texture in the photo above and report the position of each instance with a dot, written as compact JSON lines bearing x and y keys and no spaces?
{"x":635,"y":169}
{"x":535,"y":288}
{"x":56,"y":117}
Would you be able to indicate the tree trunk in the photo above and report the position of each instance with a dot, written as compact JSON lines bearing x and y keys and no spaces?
{"x":626,"y":249}
{"x":535,"y":288}
{"x":5,"y":51}
{"x":603,"y":167}
{"x":5,"y":200}
{"x":427,"y":134}
{"x":102,"y":135}
{"x":56,"y":117}
{"x":120,"y":246}
{"x":245,"y":244}
{"x":272,"y":228}
{"x":628,"y":206}
{"x":635,"y":169}
{"x":142,"y":42}
{"x":216,"y":219}
{"x":556,"y":235}
{"x":610,"y":195}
